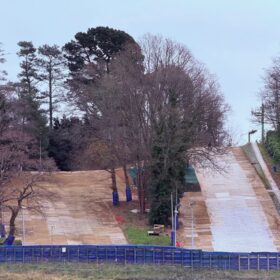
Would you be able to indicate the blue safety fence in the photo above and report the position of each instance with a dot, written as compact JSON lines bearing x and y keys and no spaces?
{"x":140,"y":254}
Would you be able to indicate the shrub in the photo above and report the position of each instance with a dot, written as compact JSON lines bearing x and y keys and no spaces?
{"x":273,"y":145}
{"x":17,"y":242}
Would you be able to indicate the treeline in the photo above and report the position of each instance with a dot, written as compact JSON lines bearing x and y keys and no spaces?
{"x":268,"y":113}
{"x":147,"y":104}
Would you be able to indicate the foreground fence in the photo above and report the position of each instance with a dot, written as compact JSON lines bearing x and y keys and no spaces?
{"x":130,"y":254}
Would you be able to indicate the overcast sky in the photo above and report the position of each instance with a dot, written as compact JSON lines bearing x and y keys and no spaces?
{"x":236,"y":39}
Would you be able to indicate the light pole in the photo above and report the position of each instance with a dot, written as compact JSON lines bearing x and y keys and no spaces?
{"x":40,"y":152}
{"x":23,"y":224}
{"x":192,"y":222}
{"x":172,"y":221}
{"x":175,"y":227}
{"x":52,"y":228}
{"x":250,"y":133}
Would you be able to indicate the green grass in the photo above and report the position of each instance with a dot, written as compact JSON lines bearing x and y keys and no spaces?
{"x":140,"y":236}
{"x":78,"y":271}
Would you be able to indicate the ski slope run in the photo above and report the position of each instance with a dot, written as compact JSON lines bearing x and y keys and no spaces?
{"x":236,"y":203}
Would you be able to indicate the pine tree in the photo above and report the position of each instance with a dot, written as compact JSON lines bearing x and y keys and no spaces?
{"x":31,"y":115}
{"x":51,"y":65}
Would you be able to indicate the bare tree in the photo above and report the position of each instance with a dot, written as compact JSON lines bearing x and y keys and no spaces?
{"x":161,"y":87}
{"x":17,"y":184}
{"x":270,"y":95}
{"x":3,"y":73}
{"x":23,"y":191}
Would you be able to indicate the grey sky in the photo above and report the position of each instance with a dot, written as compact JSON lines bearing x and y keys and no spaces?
{"x":234,"y":39}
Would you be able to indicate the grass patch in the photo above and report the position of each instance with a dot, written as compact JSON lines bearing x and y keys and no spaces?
{"x":140,"y":236}
{"x":77,"y":271}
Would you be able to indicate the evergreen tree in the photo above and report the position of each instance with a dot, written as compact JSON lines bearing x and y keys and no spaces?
{"x":30,"y":115}
{"x":96,"y":45}
{"x":51,"y":65}
{"x":168,"y":163}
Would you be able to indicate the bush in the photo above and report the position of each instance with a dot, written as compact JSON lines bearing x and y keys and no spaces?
{"x":273,"y":145}
{"x":17,"y":242}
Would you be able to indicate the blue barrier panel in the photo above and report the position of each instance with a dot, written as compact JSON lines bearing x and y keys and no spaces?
{"x":128,"y":193}
{"x":140,"y":254}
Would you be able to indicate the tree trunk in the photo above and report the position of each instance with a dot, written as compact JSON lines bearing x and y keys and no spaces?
{"x":14,"y":215}
{"x":114,"y":180}
{"x":50,"y":101}
{"x":140,"y":188}
{"x":125,"y":176}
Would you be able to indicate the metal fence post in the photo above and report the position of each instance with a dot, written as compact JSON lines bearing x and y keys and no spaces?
{"x":125,"y":256}
{"x":192,"y":259}
{"x":267,"y":256}
{"x":238,"y":262}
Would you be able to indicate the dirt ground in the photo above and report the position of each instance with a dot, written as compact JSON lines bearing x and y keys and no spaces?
{"x":195,"y":230}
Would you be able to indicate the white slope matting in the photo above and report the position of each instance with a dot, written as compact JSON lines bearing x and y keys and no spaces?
{"x":238,"y":222}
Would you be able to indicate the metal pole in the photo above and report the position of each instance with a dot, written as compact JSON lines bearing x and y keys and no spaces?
{"x":172,"y":212}
{"x":2,"y":218}
{"x":52,"y":228}
{"x":262,"y":121}
{"x":192,"y":223}
{"x":176,"y":212}
{"x":40,"y":153}
{"x":23,"y":226}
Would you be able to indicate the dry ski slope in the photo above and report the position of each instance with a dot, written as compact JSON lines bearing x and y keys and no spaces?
{"x":242,"y":215}
{"x":81,"y":212}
